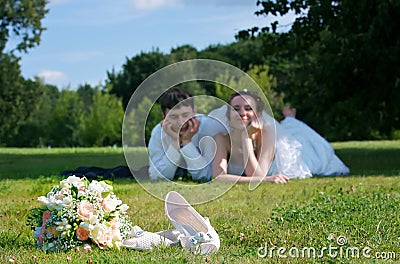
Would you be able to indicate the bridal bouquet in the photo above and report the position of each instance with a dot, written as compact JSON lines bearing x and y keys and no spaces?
{"x":78,"y":212}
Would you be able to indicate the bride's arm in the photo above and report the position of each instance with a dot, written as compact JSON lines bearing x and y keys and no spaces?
{"x":220,"y":166}
{"x":220,"y":161}
{"x":233,"y":178}
{"x":258,"y":162}
{"x":277,"y":178}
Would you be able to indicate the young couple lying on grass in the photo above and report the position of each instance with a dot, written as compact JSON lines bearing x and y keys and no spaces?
{"x":238,"y":142}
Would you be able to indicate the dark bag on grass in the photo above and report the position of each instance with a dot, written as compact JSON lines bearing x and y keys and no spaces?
{"x":99,"y":173}
{"x":106,"y":173}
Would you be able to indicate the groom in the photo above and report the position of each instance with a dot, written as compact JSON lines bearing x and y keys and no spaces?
{"x":176,"y":149}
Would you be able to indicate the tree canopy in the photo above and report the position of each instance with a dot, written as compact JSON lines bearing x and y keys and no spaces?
{"x":342,"y":71}
{"x":338,"y":65}
{"x":22,"y":20}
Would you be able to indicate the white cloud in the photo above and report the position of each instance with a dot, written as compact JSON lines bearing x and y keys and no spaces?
{"x":53,"y":77}
{"x":147,"y":5}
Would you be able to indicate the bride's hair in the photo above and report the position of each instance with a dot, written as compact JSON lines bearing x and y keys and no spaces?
{"x":257,"y":99}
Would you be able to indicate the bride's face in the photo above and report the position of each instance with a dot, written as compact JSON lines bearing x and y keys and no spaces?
{"x":242,"y":111}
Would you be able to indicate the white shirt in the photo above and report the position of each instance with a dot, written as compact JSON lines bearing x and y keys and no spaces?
{"x":196,"y":156}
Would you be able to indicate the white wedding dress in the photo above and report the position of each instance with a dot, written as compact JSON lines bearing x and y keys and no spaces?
{"x":300,"y":152}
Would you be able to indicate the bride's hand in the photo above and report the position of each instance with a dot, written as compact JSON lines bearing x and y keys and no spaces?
{"x":255,"y":126}
{"x":277,"y":178}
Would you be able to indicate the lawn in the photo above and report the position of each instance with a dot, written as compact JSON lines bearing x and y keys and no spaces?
{"x":323,"y":219}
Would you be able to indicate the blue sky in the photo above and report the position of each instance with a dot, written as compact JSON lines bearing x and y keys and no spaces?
{"x":86,"y":38}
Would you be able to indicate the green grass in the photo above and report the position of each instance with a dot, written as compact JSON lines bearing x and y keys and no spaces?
{"x":370,"y":157}
{"x":362,"y":207}
{"x":30,"y":163}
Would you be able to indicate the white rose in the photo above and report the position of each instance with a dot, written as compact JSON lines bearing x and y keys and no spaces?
{"x":95,"y":187}
{"x":43,"y":199}
{"x":100,"y":187}
{"x":117,"y":235}
{"x":72,"y":181}
{"x":93,"y":220}
{"x":54,"y":204}
{"x":67,"y":201}
{"x":65,"y":184}
{"x":106,"y":187}
{"x":124,"y":208}
{"x":81,"y":193}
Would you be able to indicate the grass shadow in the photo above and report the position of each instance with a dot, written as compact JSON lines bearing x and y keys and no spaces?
{"x":371,"y":162}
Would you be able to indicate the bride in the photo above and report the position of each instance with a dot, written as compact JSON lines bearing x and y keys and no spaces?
{"x":245,"y":146}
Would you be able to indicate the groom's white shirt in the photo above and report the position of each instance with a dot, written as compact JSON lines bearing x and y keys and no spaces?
{"x":196,"y":156}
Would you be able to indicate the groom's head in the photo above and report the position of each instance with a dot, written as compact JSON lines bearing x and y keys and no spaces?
{"x":178,"y":107}
{"x":175,"y":98}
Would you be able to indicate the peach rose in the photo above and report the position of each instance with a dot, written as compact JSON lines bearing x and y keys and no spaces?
{"x":102,"y":235}
{"x":85,"y":210}
{"x":109,"y":204}
{"x":82,"y":234}
{"x":108,"y":238}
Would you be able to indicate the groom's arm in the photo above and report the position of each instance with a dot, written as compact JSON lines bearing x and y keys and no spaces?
{"x":199,"y":153}
{"x":163,"y":158}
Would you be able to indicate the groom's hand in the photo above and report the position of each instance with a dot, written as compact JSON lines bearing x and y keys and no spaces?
{"x":167,"y":127}
{"x":188,"y":130}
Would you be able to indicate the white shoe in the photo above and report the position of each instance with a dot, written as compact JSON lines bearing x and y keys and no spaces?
{"x":197,"y":233}
{"x":144,"y":240}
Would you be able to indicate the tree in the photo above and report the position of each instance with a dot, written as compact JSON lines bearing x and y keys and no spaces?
{"x":34,"y":132}
{"x":267,"y":84}
{"x":10,"y":112}
{"x":138,"y":125}
{"x":18,"y":98}
{"x":185,"y":52}
{"x":102,"y":125}
{"x":86,"y":92}
{"x":22,"y":19}
{"x":66,"y":120}
{"x":265,"y":81}
{"x":134,"y":72}
{"x":244,"y":53}
{"x":343,"y":73}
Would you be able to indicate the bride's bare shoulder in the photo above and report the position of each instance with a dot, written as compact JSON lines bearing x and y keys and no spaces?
{"x":222,"y":138}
